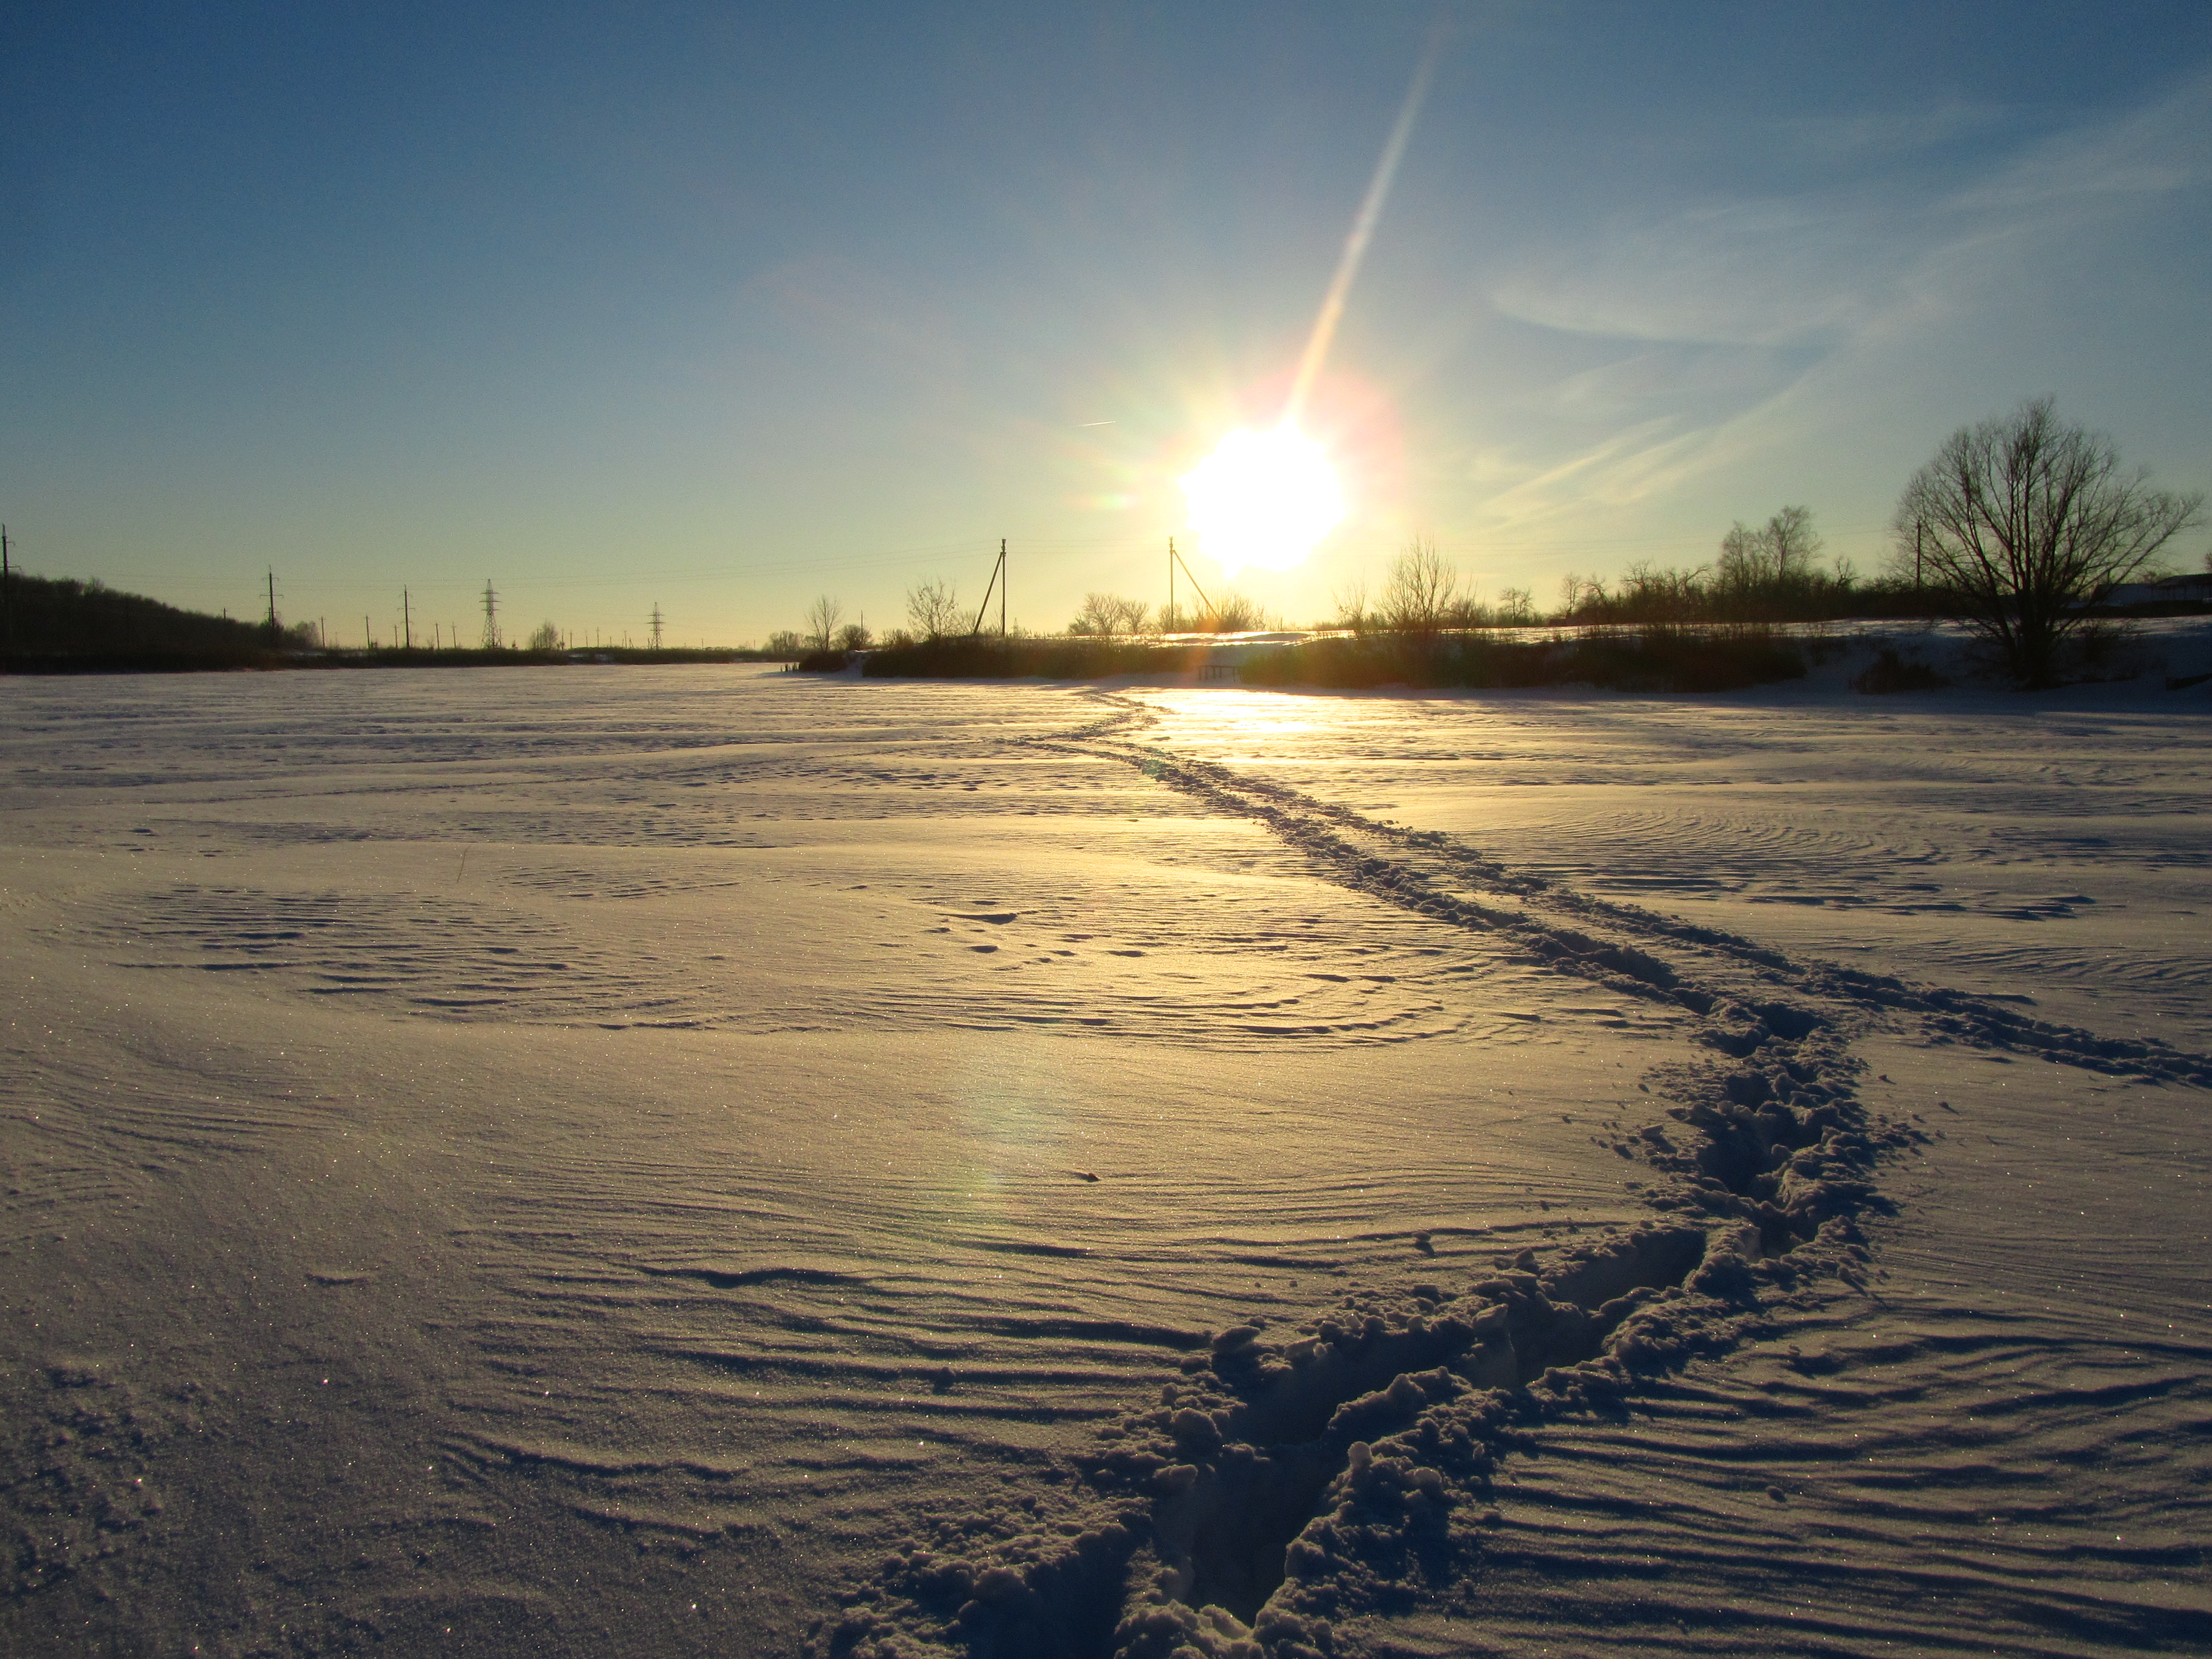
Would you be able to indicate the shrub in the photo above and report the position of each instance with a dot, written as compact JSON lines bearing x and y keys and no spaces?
{"x":1889,"y":673}
{"x":1652,"y":660}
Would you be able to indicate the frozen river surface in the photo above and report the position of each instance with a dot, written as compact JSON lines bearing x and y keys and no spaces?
{"x":657,"y":1161}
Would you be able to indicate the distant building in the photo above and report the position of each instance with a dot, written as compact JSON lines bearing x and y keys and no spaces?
{"x":2195,"y":589}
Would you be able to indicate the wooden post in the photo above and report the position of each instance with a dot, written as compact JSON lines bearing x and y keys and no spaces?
{"x":1177,"y":558}
{"x":998,"y":573}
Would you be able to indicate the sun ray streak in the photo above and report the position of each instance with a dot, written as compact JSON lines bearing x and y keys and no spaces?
{"x":1363,"y":231}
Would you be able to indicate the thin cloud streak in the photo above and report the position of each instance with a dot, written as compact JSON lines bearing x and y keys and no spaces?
{"x":1842,"y":278}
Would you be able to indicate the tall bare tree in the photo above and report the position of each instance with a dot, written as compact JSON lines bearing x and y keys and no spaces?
{"x":822,"y":619}
{"x":1778,"y":554}
{"x":2025,"y":518}
{"x":933,"y":608}
{"x":1422,"y":592}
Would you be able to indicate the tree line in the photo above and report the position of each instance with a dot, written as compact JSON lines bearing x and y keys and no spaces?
{"x":2016,"y":528}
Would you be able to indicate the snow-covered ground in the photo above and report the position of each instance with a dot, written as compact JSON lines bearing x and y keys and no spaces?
{"x":629,"y":1160}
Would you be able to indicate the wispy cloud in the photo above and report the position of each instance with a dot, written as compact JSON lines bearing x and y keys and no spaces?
{"x":1746,"y":273}
{"x":1733,"y":314}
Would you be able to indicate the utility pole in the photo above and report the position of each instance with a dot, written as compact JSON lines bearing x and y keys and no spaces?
{"x":1174,"y":620}
{"x":656,"y":624}
{"x":1174,"y":559}
{"x":491,"y":617}
{"x":998,"y":581}
{"x":406,"y":620}
{"x":1916,"y":555}
{"x":6,"y":606}
{"x":272,"y":606}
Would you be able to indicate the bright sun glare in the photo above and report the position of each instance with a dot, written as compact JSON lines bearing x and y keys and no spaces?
{"x":1264,"y":498}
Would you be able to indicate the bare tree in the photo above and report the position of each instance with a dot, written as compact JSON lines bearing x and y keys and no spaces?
{"x":547,"y":637}
{"x":1233,"y":613}
{"x":1778,"y":554}
{"x":1517,"y":608}
{"x":1422,"y":592}
{"x":2024,"y":519}
{"x":1656,"y":596}
{"x":1110,"y":613}
{"x":854,"y":636}
{"x":933,"y":608}
{"x":1582,"y":596}
{"x":822,"y":619}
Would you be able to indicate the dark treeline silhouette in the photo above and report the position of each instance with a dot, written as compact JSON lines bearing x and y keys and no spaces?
{"x":1769,"y":573}
{"x":1647,"y":659}
{"x":58,"y":624}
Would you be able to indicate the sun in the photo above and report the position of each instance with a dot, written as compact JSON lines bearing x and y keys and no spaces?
{"x":1264,"y":498}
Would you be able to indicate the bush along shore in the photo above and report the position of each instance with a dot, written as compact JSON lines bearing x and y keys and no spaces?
{"x":1640,"y":659}
{"x":1646,"y":659}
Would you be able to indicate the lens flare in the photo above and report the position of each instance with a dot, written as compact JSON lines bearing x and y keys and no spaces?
{"x":1264,"y":498}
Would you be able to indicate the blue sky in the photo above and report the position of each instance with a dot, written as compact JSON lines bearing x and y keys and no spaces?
{"x":722,"y":307}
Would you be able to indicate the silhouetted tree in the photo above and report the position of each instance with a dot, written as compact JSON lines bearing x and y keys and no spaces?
{"x":1582,"y":597}
{"x":1421,"y":592}
{"x":933,"y":608}
{"x":1110,"y":613}
{"x":1778,"y":553}
{"x":2023,"y":519}
{"x":822,"y":619}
